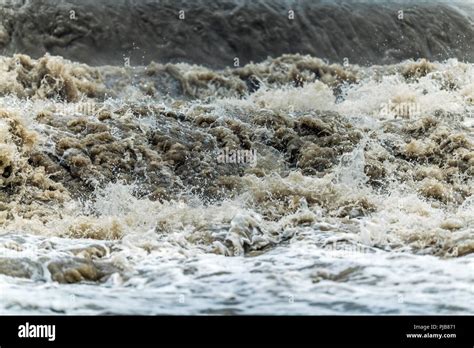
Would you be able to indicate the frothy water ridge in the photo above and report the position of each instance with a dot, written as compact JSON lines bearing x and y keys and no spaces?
{"x":115,"y":197}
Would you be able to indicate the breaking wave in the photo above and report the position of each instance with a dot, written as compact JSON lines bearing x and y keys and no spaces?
{"x":113,"y":177}
{"x":215,"y":33}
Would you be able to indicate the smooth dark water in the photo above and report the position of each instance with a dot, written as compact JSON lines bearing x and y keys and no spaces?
{"x":214,"y":33}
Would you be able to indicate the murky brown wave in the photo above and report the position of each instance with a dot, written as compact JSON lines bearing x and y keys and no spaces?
{"x":124,"y":180}
{"x":70,"y":131}
{"x":214,"y":33}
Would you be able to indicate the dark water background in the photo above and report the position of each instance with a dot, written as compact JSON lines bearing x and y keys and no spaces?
{"x":213,"y":33}
{"x":113,"y":199}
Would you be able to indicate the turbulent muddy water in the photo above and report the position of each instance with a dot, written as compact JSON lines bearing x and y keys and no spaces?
{"x":128,"y":189}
